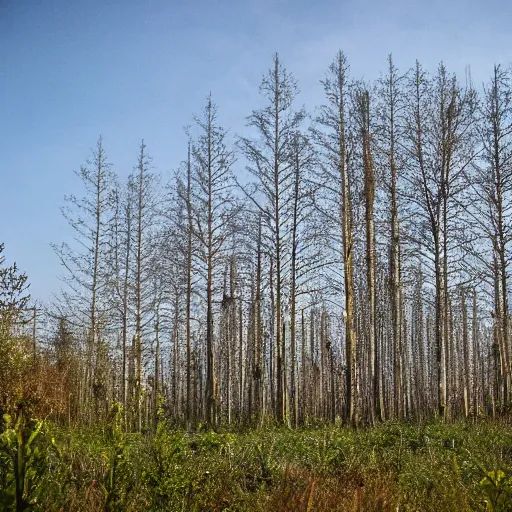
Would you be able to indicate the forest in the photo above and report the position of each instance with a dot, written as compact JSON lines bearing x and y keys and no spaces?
{"x":331,"y":282}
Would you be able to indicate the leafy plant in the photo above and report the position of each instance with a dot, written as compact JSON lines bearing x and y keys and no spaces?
{"x":25,"y":460}
{"x":114,"y":456}
{"x":497,"y":490}
{"x":265,"y":460}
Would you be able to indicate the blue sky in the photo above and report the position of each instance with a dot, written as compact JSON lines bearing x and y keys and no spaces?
{"x":71,"y":70}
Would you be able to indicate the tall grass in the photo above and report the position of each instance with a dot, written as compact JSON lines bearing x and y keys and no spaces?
{"x":432,"y":467}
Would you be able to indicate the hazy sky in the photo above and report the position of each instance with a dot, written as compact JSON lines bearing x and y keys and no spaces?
{"x":133,"y":69}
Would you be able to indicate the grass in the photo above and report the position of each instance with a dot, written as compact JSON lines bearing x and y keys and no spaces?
{"x":431,"y":467}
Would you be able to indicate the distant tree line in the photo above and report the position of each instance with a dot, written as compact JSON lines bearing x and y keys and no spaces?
{"x":350,"y":264}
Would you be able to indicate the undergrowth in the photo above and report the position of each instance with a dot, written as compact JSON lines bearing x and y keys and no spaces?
{"x":432,"y":467}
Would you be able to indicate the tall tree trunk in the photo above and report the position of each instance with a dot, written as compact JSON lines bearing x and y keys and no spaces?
{"x":257,"y":368}
{"x":210,"y":385}
{"x":189,"y":413}
{"x":156,"y":391}
{"x":138,"y":292}
{"x":280,"y":413}
{"x":369,"y":194}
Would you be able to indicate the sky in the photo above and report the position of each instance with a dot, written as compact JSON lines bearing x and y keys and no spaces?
{"x":139,"y":69}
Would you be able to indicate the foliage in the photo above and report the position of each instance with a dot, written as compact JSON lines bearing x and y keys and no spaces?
{"x":23,"y":453}
{"x":13,"y":290}
{"x":390,"y":467}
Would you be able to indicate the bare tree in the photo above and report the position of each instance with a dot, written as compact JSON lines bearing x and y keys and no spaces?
{"x":337,"y":182}
{"x":85,"y":264}
{"x":490,"y":209}
{"x":214,"y":215}
{"x":143,"y":185}
{"x":270,"y":163}
{"x":440,"y":123}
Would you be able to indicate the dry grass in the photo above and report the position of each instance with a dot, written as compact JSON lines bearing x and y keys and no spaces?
{"x":302,"y":491}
